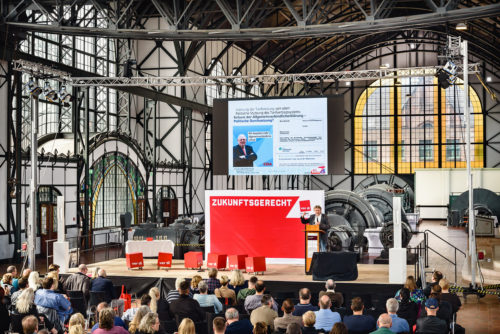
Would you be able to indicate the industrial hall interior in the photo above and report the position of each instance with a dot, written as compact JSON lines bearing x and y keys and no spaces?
{"x":249,"y":166}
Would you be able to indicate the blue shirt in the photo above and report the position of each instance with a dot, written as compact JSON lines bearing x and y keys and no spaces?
{"x":118,"y":322}
{"x":54,"y":300}
{"x":208,"y":300}
{"x":399,"y":324}
{"x":325,"y":319}
{"x":360,"y":323}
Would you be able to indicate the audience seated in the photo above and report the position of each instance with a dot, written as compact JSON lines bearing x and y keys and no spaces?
{"x":445,"y":311}
{"x":194,"y":284}
{"x":339,"y":328}
{"x":416,"y":295}
{"x":174,"y":293}
{"x":293,"y":328}
{"x":25,"y":306}
{"x":22,"y":284}
{"x":431,"y":323}
{"x":12,"y":270}
{"x":399,"y":325}
{"x":336,"y":297}
{"x":79,"y":281}
{"x":150,"y":324}
{"x":54,"y":268}
{"x":48,"y":298}
{"x":309,"y":320}
{"x":245,"y":292}
{"x":207,"y":300}
{"x":358,"y":322}
{"x":212,"y":281}
{"x":254,"y":301}
{"x":235,"y":325}
{"x":237,"y":281}
{"x":447,"y":296}
{"x":130,"y":313}
{"x":265,"y":312}
{"x":158,"y":305}
{"x":224,"y":291}
{"x":6,"y":284}
{"x":282,"y":322}
{"x":219,"y":325}
{"x":76,"y":324}
{"x":408,"y":309}
{"x":133,"y":326}
{"x":384,"y":323}
{"x":34,"y":281}
{"x":103,"y":284}
{"x":186,"y":327}
{"x":30,"y":325}
{"x":436,"y":277}
{"x":325,"y":318}
{"x":117,"y":320}
{"x":107,"y":323}
{"x":185,"y":306}
{"x":304,"y":304}
{"x":260,"y":328}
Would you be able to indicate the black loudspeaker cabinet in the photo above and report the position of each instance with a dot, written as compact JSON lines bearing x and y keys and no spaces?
{"x":339,"y":266}
{"x":126,"y":220}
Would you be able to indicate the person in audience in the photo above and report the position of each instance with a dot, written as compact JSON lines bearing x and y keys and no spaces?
{"x":186,"y":327}
{"x":30,"y":325}
{"x":408,"y":309}
{"x":451,"y":298}
{"x":79,"y":281}
{"x":436,"y":277}
{"x":445,"y":310}
{"x":237,"y":281}
{"x":76,"y":329}
{"x":107,"y":323}
{"x":7,"y":283}
{"x":398,"y":324}
{"x":76,"y":324}
{"x":416,"y":294}
{"x":325,"y":318}
{"x":309,"y":319}
{"x":358,"y":322}
{"x":245,"y":292}
{"x":150,"y":324}
{"x":103,"y":284}
{"x":34,"y":281}
{"x":133,"y":326}
{"x":158,"y":305}
{"x":282,"y":322}
{"x":55,"y":276}
{"x":174,"y":294}
{"x":219,"y":325}
{"x":265,"y":312}
{"x":254,"y":301}
{"x":431,"y":323}
{"x":130,"y":313}
{"x":304,"y":304}
{"x":224,"y":291}
{"x":25,"y":306}
{"x":117,"y":320}
{"x":205,"y":299}
{"x":55,"y":268}
{"x":339,"y":328}
{"x":47,"y":297}
{"x":336,"y":297}
{"x":194,"y":283}
{"x":235,"y":325}
{"x":185,"y":306}
{"x":13,"y":271}
{"x":22,"y":284}
{"x":4,"y":313}
{"x":212,"y":281}
{"x":260,"y":328}
{"x":293,"y":328}
{"x":384,"y":324}
{"x":95,"y":273}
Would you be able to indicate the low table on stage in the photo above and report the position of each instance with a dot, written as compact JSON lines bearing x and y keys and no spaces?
{"x":149,"y":248}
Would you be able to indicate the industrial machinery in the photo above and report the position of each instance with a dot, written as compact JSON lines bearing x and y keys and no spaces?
{"x":486,"y":203}
{"x":381,"y":197}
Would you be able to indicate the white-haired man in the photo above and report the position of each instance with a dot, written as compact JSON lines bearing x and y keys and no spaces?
{"x":398,"y":324}
{"x":243,"y":154}
{"x":104,"y":284}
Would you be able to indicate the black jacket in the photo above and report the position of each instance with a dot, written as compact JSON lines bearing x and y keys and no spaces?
{"x":78,"y":282}
{"x":17,"y":318}
{"x":186,"y":307}
{"x":247,"y":160}
{"x":409,"y":312}
{"x":432,"y":325}
{"x":103,"y":284}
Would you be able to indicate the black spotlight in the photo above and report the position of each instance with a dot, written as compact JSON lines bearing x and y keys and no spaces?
{"x":127,"y":67}
{"x":443,"y":79}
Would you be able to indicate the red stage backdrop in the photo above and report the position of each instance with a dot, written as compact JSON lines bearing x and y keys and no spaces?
{"x":257,"y":223}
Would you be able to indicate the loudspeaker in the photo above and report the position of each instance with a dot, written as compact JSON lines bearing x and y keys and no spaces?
{"x":339,"y":266}
{"x":126,"y":220}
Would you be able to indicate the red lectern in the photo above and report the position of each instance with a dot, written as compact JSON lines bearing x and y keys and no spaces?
{"x":193,"y":260}
{"x":236,"y":262}
{"x":217,"y":261}
{"x":313,"y":234}
{"x":255,"y":264}
{"x":134,"y":260}
{"x":164,"y":260}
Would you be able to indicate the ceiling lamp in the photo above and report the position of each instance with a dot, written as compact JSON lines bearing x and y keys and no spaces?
{"x":461,"y":26}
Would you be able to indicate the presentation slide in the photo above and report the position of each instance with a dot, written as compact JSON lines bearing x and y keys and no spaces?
{"x":278,"y":136}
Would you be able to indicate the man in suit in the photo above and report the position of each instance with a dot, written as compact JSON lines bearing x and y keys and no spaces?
{"x":243,"y":155}
{"x":318,"y":219}
{"x":104,"y":284}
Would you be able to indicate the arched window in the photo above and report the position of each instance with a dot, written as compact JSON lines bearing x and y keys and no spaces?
{"x":215,"y":91}
{"x":409,"y":123}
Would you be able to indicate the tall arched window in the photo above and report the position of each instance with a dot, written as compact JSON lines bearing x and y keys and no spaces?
{"x":409,"y":123}
{"x":219,"y":90}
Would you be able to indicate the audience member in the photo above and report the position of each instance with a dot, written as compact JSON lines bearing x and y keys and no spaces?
{"x":358,"y":322}
{"x":55,"y":268}
{"x":304,"y":304}
{"x":325,"y":318}
{"x":260,"y":328}
{"x":336,"y":297}
{"x":408,"y":309}
{"x":6,"y":283}
{"x":254,"y":301}
{"x":185,"y":306}
{"x":133,"y":326}
{"x":22,"y":284}
{"x":265,"y":312}
{"x":174,"y":293}
{"x":237,"y":281}
{"x":95,"y":273}
{"x":235,"y":325}
{"x":130,"y":313}
{"x":436,"y":277}
{"x":103,"y":284}
{"x":384,"y":324}
{"x":309,"y":320}
{"x":448,"y":296}
{"x":282,"y":322}
{"x":219,"y":325}
{"x":186,"y":327}
{"x":431,"y":323}
{"x":245,"y":292}
{"x":30,"y":325}
{"x":158,"y":305}
{"x":207,"y":300}
{"x":150,"y":324}
{"x":339,"y":328}
{"x":416,"y":294}
{"x":107,"y":323}
{"x":445,"y":311}
{"x":76,"y":321}
{"x":13,"y":271}
{"x":47,"y":297}
{"x":4,"y":313}
{"x":79,"y":281}
{"x":212,"y":281}
{"x":398,"y":324}
{"x":224,"y":291}
{"x":117,"y":320}
{"x":293,"y":328}
{"x":76,"y":329}
{"x":25,"y":306}
{"x":34,"y":281}
{"x":194,"y":283}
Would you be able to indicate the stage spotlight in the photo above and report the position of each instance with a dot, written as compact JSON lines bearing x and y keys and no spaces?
{"x":65,"y":97}
{"x":443,"y":78}
{"x":127,"y":67}
{"x":488,"y":79}
{"x":33,"y":88}
{"x":50,"y":94}
{"x":461,"y":26}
